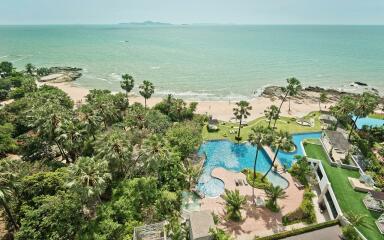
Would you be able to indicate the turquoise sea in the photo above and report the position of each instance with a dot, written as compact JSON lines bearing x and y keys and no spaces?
{"x":204,"y":62}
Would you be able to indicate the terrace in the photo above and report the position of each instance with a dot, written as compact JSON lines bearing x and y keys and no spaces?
{"x":226,"y":129}
{"x":223,"y":167}
{"x":348,"y":199}
{"x":258,"y":221}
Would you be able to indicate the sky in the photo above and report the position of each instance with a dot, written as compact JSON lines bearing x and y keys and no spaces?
{"x":365,"y":12}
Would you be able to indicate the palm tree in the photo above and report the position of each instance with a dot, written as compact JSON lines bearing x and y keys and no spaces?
{"x":292,"y":89}
{"x":322,"y":99}
{"x":272,"y":112}
{"x":5,"y":194}
{"x":115,"y":147}
{"x":92,"y":123}
{"x":11,"y":171}
{"x":90,"y":175}
{"x":241,"y":111}
{"x":71,"y":137}
{"x":257,"y":138}
{"x":366,"y":104}
{"x":343,"y":108}
{"x":193,"y":173}
{"x":234,"y":203}
{"x":358,"y":220}
{"x":281,"y":141}
{"x":48,"y":120}
{"x":146,"y":91}
{"x":274,"y":193}
{"x":30,"y":69}
{"x":127,"y":84}
{"x":154,"y":148}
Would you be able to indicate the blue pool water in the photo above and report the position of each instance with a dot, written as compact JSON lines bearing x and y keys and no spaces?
{"x":234,"y":157}
{"x":371,"y":122}
{"x":237,"y":157}
{"x":287,"y":159}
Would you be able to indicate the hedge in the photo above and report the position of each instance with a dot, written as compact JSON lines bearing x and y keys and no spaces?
{"x":299,"y":231}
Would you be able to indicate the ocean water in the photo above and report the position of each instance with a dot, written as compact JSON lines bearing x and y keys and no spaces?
{"x":204,"y":62}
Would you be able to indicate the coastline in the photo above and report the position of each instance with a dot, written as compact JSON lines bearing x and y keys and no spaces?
{"x":222,"y":110}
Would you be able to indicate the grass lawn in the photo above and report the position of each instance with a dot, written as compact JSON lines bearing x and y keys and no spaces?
{"x":283,"y":123}
{"x":349,"y":199}
{"x":376,"y":115}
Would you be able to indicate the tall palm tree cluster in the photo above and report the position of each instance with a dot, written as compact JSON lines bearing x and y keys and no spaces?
{"x":354,"y":108}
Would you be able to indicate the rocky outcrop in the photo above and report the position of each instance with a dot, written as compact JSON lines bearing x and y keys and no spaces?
{"x":62,"y":74}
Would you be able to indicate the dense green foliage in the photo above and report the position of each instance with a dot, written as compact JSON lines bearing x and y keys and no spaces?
{"x":301,"y":170}
{"x":305,"y":213}
{"x":219,"y":234}
{"x":95,"y":171}
{"x":257,"y":182}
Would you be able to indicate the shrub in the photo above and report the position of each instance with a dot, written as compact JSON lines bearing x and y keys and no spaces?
{"x":258,"y":183}
{"x":43,"y":71}
{"x":3,"y":94}
{"x":350,"y":233}
{"x":305,"y":213}
{"x":17,"y":93}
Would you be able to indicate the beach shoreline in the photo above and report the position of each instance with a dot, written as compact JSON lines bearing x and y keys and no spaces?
{"x":219,"y":109}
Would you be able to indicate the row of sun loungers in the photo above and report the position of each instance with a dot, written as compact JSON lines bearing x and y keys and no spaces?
{"x":198,"y":193}
{"x":241,"y":182}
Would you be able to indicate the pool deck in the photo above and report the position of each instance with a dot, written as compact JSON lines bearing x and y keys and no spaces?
{"x":258,"y":221}
{"x":271,"y":155}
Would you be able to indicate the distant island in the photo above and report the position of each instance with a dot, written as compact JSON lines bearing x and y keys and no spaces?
{"x":147,"y":23}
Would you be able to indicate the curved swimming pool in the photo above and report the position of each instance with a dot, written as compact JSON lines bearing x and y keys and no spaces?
{"x":288,"y":158}
{"x":237,"y":157}
{"x":233,"y":157}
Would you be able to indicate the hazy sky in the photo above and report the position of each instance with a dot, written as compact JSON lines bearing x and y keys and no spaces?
{"x":193,"y":11}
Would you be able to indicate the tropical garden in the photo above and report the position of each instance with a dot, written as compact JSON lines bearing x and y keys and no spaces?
{"x":99,"y":169}
{"x":94,"y":171}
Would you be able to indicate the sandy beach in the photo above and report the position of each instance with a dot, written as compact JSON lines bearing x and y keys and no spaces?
{"x":222,"y":110}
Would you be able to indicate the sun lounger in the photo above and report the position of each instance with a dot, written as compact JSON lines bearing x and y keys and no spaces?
{"x":380,"y":224}
{"x":198,"y":193}
{"x":245,"y":182}
{"x":372,"y":204}
{"x":299,"y":185}
{"x":260,"y":202}
{"x":240,"y":182}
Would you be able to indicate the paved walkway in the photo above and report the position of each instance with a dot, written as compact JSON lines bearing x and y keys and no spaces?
{"x":257,"y":221}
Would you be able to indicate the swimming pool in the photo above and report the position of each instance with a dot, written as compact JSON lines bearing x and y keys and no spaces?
{"x":237,"y":157}
{"x":288,"y":158}
{"x":233,"y":157}
{"x":371,"y":122}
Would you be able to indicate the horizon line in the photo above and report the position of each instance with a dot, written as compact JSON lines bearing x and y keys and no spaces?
{"x":165,"y":24}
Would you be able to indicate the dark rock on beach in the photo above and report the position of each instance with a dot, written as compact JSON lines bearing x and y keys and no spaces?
{"x":361,"y":84}
{"x":62,"y":74}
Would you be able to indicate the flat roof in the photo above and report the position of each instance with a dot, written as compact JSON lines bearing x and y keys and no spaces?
{"x":377,"y":195}
{"x":200,"y":223}
{"x":337,"y":140}
{"x":328,"y":233}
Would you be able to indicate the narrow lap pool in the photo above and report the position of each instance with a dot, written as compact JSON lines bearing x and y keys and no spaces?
{"x":237,"y":157}
{"x":370,"y":122}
